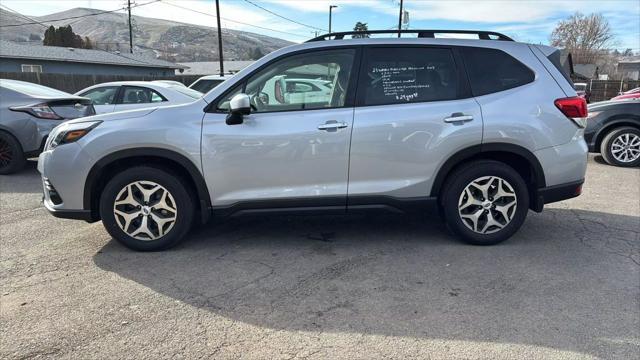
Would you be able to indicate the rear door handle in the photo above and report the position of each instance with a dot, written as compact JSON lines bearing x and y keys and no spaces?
{"x":458,"y":118}
{"x":332,"y":125}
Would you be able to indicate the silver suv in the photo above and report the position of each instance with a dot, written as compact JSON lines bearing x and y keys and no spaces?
{"x":479,"y":130}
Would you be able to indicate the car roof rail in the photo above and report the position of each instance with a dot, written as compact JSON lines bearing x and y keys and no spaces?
{"x":422,"y":33}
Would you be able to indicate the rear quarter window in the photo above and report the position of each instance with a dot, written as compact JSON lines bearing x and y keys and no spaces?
{"x":408,"y":75}
{"x":492,"y":70}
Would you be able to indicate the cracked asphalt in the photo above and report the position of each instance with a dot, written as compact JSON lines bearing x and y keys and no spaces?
{"x":567,"y":286}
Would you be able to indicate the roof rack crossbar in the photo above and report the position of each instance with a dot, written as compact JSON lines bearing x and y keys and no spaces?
{"x":422,"y":33}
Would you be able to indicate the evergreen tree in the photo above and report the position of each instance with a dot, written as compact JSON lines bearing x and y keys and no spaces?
{"x":49,"y":36}
{"x":360,"y":27}
{"x":65,"y":37}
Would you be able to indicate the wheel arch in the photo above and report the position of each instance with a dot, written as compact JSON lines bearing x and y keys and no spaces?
{"x":103,"y":170}
{"x":9,"y":132}
{"x":612,"y":124}
{"x":518,"y":157}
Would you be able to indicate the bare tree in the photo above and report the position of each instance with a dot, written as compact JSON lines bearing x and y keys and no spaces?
{"x":586,"y":37}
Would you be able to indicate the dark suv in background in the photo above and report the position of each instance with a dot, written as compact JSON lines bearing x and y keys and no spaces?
{"x":613,"y":130}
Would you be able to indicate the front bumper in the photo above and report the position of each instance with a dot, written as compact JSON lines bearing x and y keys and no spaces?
{"x":590,"y":136}
{"x":67,"y":214}
{"x":64,"y":170}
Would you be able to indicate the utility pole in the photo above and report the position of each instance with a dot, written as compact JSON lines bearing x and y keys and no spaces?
{"x":219,"y":38}
{"x":130,"y":31}
{"x":400,"y":19}
{"x":330,"y":9}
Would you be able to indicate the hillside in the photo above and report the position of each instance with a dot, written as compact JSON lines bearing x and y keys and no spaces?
{"x":164,"y":39}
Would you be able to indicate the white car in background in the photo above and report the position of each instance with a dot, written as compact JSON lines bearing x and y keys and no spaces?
{"x":208,"y":82}
{"x":128,"y":95}
{"x":170,"y":82}
{"x":284,"y":90}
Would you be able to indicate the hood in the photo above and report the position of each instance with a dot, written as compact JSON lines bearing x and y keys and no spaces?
{"x":120,"y":115}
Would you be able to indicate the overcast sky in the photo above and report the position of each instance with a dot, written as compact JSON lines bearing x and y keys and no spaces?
{"x":530,"y":21}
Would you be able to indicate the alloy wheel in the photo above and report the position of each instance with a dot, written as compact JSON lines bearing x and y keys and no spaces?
{"x":6,"y":154}
{"x":487,"y":204}
{"x":145,"y":210}
{"x":626,"y":147}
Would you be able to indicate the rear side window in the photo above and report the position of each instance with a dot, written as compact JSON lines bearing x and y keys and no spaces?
{"x":408,"y":75}
{"x":492,"y":70}
{"x":140,"y":95}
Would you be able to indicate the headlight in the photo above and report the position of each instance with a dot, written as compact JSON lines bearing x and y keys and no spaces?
{"x":68,"y":133}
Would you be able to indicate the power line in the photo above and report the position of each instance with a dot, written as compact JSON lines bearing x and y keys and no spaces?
{"x":284,"y":17}
{"x":23,"y":16}
{"x":233,"y":21}
{"x":79,"y":16}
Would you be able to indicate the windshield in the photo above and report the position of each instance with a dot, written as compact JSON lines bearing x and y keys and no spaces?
{"x":31,"y":89}
{"x":186,"y":91}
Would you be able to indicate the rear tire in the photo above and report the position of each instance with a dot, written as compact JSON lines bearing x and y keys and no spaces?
{"x":11,"y":155}
{"x":621,"y":147}
{"x":147,"y":208}
{"x":485,"y":202}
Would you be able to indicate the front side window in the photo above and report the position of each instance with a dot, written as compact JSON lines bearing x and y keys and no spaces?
{"x":492,"y":70}
{"x":140,"y":95}
{"x":102,"y":95}
{"x":315,"y":80}
{"x":408,"y":75}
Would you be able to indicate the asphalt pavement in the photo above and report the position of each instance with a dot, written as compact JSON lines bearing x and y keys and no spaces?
{"x":566,"y":286}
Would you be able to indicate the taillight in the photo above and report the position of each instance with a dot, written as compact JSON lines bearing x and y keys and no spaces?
{"x":574,"y":108}
{"x":42,"y":111}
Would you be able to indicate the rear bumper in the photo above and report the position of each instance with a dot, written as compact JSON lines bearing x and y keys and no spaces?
{"x":556,"y":193}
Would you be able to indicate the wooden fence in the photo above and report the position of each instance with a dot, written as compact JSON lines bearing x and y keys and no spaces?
{"x":72,"y":83}
{"x":606,"y":89}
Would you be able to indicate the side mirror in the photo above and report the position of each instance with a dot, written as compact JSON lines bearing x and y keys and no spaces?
{"x":238,"y":106}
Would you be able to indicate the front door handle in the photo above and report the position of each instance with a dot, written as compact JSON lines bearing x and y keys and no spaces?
{"x":332,"y":125}
{"x":458,"y":118}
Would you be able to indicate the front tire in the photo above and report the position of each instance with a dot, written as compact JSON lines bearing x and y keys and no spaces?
{"x":485,"y":202}
{"x":621,"y":147}
{"x":147,"y":208}
{"x":11,"y":156}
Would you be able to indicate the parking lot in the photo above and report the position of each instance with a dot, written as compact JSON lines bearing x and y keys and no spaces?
{"x":566,"y":286}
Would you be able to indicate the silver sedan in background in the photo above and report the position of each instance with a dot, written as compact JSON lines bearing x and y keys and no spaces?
{"x":28,"y":112}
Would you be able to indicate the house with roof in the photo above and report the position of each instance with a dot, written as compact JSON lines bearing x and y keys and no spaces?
{"x":629,"y":68}
{"x":16,"y":57}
